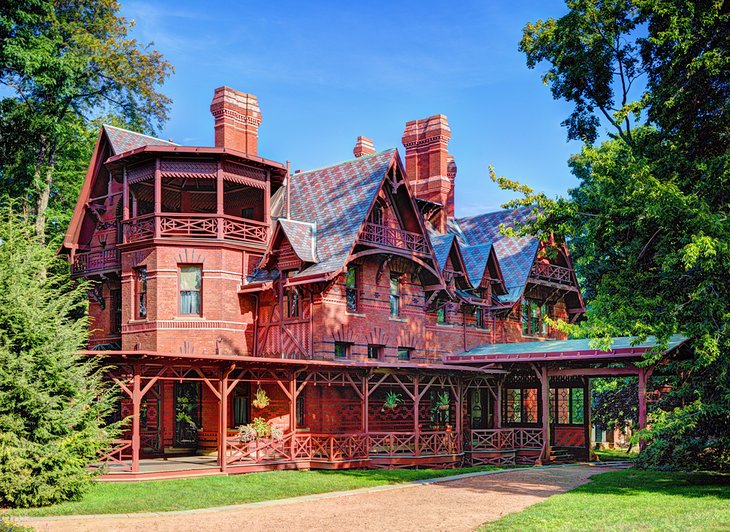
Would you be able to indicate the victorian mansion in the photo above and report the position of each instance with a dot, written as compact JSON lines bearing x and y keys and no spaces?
{"x":346,"y":306}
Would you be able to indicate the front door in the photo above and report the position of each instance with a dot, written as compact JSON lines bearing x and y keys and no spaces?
{"x":480,"y":412}
{"x":187,"y":414}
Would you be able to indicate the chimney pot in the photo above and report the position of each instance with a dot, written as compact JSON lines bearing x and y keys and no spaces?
{"x":237,"y":119}
{"x":363,"y":146}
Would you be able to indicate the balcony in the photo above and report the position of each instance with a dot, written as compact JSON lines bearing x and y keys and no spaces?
{"x":194,"y":226}
{"x":551,"y":274}
{"x":105,"y":260}
{"x":394,"y":238}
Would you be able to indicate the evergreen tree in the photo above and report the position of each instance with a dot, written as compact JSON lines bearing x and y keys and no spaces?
{"x":52,"y":401}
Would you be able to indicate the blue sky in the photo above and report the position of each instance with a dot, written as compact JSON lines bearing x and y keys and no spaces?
{"x":326,"y":72}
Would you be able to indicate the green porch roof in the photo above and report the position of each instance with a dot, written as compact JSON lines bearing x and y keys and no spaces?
{"x":561,"y":349}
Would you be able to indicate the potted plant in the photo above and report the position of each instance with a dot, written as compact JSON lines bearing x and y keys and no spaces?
{"x":259,"y":429}
{"x":442,"y":401}
{"x":392,"y":400}
{"x":262,"y":400}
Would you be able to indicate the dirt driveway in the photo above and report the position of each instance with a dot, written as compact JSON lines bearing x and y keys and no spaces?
{"x":455,"y":505}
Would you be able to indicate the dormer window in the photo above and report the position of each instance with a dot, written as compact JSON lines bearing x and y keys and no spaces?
{"x":533,"y":318}
{"x":377,"y":215}
{"x":351,"y":292}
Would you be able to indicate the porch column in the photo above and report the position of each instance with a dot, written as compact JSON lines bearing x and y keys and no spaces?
{"x":293,"y":403}
{"x":223,"y":419}
{"x":136,"y":404}
{"x":545,"y":389}
{"x":642,"y":403}
{"x":158,"y":197}
{"x":219,"y":187}
{"x":365,"y":404}
{"x":459,"y":414}
{"x":125,"y":194}
{"x":498,"y":407}
{"x":416,"y":404}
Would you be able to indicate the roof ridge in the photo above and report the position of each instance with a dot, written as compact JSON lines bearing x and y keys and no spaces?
{"x":345,"y":162}
{"x":139,"y":134}
{"x":498,"y":211}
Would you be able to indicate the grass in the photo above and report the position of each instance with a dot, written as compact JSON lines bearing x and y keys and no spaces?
{"x":613,"y":455}
{"x":207,"y":492}
{"x":632,"y":500}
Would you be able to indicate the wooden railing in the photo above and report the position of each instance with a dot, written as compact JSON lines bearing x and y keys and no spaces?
{"x":551,"y":273}
{"x":96,"y":261}
{"x":393,"y":237}
{"x":209,"y":226}
{"x":117,"y":456}
{"x":503,"y":439}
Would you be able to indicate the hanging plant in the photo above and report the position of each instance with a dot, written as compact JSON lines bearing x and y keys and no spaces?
{"x":262,"y":400}
{"x":392,"y":400}
{"x":442,"y":401}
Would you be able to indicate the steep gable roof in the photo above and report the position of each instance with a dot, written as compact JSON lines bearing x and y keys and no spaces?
{"x":441,"y":247}
{"x":516,"y":254}
{"x":476,"y":258}
{"x":122,"y":140}
{"x":302,"y":237}
{"x":337,"y":199}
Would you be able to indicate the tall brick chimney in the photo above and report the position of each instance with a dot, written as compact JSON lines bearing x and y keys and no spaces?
{"x":431,"y":170}
{"x":363,"y":146}
{"x":237,"y":120}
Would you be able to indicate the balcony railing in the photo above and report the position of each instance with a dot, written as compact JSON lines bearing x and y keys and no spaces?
{"x":551,"y":273}
{"x":96,"y":261}
{"x":393,"y":237}
{"x":208,"y":226}
{"x":503,"y":439}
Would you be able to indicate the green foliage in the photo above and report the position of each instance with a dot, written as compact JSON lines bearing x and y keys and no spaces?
{"x":392,"y":399}
{"x":65,"y":64}
{"x":648,"y":225}
{"x":52,"y":402}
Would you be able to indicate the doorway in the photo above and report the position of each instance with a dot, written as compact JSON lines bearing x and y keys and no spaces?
{"x":480,"y":409}
{"x":187,"y":414}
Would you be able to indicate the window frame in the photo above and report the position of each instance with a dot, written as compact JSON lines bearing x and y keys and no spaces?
{"x":532,"y":315}
{"x":346,"y":350}
{"x":523,"y":411}
{"x":442,"y":316}
{"x":394,"y":296}
{"x":379,"y":349}
{"x":115,"y":310}
{"x":554,"y":397}
{"x":180,"y":291}
{"x":140,"y":292}
{"x":352,"y":293}
{"x":408,"y":353}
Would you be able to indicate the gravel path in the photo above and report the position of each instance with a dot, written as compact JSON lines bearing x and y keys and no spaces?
{"x":455,"y":505}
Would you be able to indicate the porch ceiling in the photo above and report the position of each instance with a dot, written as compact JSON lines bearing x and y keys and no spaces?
{"x":155,"y":358}
{"x":561,"y":350}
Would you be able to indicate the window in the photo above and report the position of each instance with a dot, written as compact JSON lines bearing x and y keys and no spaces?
{"x":291,"y":302}
{"x":116,"y":311}
{"x":376,"y":216}
{"x":481,"y":318}
{"x":351,"y":288}
{"x":190,"y":281}
{"x":533,"y":317}
{"x":375,"y":352}
{"x":566,"y":406}
{"x":240,"y":410}
{"x":247,"y":212}
{"x":140,"y":288}
{"x":301,"y":414}
{"x":404,"y":353}
{"x":394,"y":295}
{"x":342,"y":349}
{"x":441,"y":315}
{"x":520,"y":406}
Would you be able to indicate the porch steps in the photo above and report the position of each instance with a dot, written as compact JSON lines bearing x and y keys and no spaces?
{"x":560,"y":455}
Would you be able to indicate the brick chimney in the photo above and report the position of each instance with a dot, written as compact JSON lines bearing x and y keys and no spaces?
{"x":363,"y":146}
{"x":431,"y":170}
{"x":237,"y":120}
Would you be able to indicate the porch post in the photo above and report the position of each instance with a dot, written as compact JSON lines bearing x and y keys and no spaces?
{"x":416,"y":404}
{"x":459,"y":414}
{"x":498,"y":407}
{"x":642,"y":403}
{"x":219,"y":187}
{"x":365,"y":403}
{"x":293,"y":402}
{"x":158,"y":197}
{"x":223,"y":418}
{"x":588,"y":417}
{"x":136,"y":404}
{"x":545,"y":389}
{"x":125,"y":194}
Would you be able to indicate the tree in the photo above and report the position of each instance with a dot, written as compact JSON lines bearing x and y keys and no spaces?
{"x":67,"y":62}
{"x":648,"y":224}
{"x":52,"y":401}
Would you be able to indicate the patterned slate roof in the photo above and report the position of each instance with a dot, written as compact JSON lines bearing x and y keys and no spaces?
{"x":302,"y":237}
{"x":475,"y":260}
{"x":515,"y":254}
{"x":123,"y":140}
{"x":441,"y":246}
{"x":337,"y":199}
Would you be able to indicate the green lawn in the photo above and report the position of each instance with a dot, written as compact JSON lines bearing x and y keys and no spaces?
{"x":206,"y":492}
{"x":613,"y":455}
{"x":632,"y":500}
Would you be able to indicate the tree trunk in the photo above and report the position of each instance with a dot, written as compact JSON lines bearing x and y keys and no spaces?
{"x":44,"y":195}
